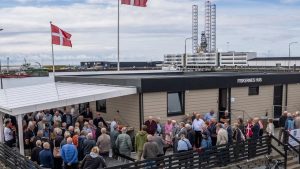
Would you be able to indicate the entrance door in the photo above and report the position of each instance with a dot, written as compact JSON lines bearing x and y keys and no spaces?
{"x":277,"y":103}
{"x":224,"y":101}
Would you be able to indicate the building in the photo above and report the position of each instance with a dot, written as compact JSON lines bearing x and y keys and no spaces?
{"x":235,"y":58}
{"x":274,"y":62}
{"x":211,"y":59}
{"x":112,"y":65}
{"x":133,"y":96}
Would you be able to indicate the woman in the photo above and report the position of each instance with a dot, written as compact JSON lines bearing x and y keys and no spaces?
{"x":270,"y":127}
{"x":123,"y":143}
{"x":56,"y":150}
{"x":93,"y":160}
{"x":249,"y":132}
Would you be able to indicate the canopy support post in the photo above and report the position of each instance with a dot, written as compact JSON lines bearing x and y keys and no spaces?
{"x":20,"y":133}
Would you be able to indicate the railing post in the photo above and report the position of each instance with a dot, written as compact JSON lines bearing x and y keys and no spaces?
{"x":269,"y":136}
{"x":285,"y":155}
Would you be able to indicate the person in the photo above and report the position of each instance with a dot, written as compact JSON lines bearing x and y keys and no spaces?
{"x":104,"y":143}
{"x":8,"y":134}
{"x":99,"y":119}
{"x":93,"y":160}
{"x":229,"y":132}
{"x":161,"y":144}
{"x":282,"y":121}
{"x":67,"y":118}
{"x":182,"y":130}
{"x":69,"y":155}
{"x":66,"y":136}
{"x":113,"y":137}
{"x":175,"y":131}
{"x":208,"y":116}
{"x":249,"y":132}
{"x":48,"y":118}
{"x":270,"y":127}
{"x":29,"y":138}
{"x":289,"y":123}
{"x":75,"y":137}
{"x":151,"y":125}
{"x":222,"y":135}
{"x":45,"y":156}
{"x":297,"y":120}
{"x":56,"y":148}
{"x":39,"y":136}
{"x":87,"y":114}
{"x":213,"y":131}
{"x":184,"y":145}
{"x":168,"y":134}
{"x":98,"y":129}
{"x":57,"y":118}
{"x":241,"y":126}
{"x":159,"y":129}
{"x":88,"y":144}
{"x":35,"y":153}
{"x":190,"y":134}
{"x":206,"y":140}
{"x":225,"y":117}
{"x":197,"y":127}
{"x":238,"y":138}
{"x":253,"y":141}
{"x":140,"y":140}
{"x":80,"y":148}
{"x":123,"y":143}
{"x":112,"y":124}
{"x":150,"y":149}
{"x":86,"y":127}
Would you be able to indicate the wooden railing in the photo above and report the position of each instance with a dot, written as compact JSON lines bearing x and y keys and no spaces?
{"x":215,"y":157}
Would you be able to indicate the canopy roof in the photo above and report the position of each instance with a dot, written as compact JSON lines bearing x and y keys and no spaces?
{"x":21,"y":100}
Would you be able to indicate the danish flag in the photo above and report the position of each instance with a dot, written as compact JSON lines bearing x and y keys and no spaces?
{"x":60,"y":37}
{"x":140,"y":3}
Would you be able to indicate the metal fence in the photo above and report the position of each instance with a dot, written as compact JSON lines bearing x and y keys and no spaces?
{"x":12,"y":159}
{"x":215,"y":157}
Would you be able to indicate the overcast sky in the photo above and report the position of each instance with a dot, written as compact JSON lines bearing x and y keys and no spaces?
{"x":263,"y":26}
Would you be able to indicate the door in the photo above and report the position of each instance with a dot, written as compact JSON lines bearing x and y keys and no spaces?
{"x":224,"y":101}
{"x":277,"y":103}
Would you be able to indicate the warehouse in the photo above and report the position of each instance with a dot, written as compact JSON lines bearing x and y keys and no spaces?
{"x":175,"y":94}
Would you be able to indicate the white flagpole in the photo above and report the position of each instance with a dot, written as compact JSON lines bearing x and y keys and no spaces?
{"x":53,"y":65}
{"x":118,"y":35}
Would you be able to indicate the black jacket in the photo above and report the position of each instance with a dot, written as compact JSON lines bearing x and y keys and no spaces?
{"x":35,"y":154}
{"x":88,"y":145}
{"x":90,"y":162}
{"x":282,"y":121}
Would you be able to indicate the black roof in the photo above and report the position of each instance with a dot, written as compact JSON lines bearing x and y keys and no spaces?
{"x":181,"y":81}
{"x":274,"y":58}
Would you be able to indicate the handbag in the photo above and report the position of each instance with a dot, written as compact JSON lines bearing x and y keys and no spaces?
{"x":56,"y":151}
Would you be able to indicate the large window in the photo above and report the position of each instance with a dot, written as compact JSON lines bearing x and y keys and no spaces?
{"x":175,"y":103}
{"x":101,"y":106}
{"x":253,"y":90}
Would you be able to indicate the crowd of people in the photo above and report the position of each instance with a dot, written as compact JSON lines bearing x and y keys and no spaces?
{"x":59,"y":139}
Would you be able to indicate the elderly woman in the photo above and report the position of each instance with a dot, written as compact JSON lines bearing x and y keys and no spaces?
{"x":103,"y":143}
{"x":93,"y":160}
{"x":123,"y":143}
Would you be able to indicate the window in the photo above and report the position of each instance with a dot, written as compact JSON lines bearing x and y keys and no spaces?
{"x":101,"y":106}
{"x":175,"y":103}
{"x":253,"y":90}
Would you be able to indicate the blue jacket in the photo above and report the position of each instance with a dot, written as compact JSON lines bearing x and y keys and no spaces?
{"x":46,"y":158}
{"x":289,"y":124}
{"x":69,"y":154}
{"x":206,"y":143}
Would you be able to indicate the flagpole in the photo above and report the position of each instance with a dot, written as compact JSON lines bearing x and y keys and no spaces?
{"x":118,"y":35}
{"x":53,"y":66}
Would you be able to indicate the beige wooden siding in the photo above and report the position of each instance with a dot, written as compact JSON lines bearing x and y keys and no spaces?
{"x":293,"y":97}
{"x":201,"y":101}
{"x":128,"y":107}
{"x":255,"y":105}
{"x":155,"y":104}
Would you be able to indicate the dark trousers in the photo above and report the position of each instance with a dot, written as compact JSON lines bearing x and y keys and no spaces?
{"x":213,"y":141}
{"x":252,"y":148}
{"x":73,"y":166}
{"x":9,"y":143}
{"x":198,"y":139}
{"x":58,"y":163}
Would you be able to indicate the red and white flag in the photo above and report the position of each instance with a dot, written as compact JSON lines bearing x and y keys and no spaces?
{"x":140,"y":3}
{"x":60,"y":37}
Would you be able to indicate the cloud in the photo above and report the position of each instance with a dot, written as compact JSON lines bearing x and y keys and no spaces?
{"x":146,"y":33}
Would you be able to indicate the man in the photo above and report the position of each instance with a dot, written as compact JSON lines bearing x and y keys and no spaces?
{"x":99,"y":119}
{"x":123,"y":143}
{"x":151,"y":125}
{"x":213,"y":131}
{"x":282,"y":121}
{"x":35,"y":153}
{"x":112,"y":124}
{"x":29,"y":137}
{"x":69,"y":155}
{"x":150,"y":149}
{"x":88,"y":144}
{"x":8,"y":134}
{"x":67,"y":118}
{"x":209,"y":116}
{"x":197,"y":127}
{"x":229,"y":131}
{"x":46,"y":157}
{"x":113,"y":137}
{"x":222,"y":139}
{"x":140,"y":140}
{"x":297,"y":120}
{"x":39,"y":136}
{"x":222,"y":135}
{"x":87,"y":114}
{"x":190,"y":134}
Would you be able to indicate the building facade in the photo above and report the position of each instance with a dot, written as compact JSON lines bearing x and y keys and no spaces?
{"x":235,"y":58}
{"x":274,"y":62}
{"x":173,"y":95}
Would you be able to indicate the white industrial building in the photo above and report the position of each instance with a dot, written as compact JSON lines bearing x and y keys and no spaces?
{"x":274,"y":62}
{"x":235,"y":58}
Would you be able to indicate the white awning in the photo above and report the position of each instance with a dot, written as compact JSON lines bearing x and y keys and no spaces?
{"x":21,"y":100}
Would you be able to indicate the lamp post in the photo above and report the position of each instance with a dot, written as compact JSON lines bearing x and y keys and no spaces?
{"x":1,"y":82}
{"x":290,"y":52}
{"x":184,"y":57}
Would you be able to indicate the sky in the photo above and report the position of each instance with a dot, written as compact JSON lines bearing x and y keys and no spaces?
{"x":146,"y":34}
